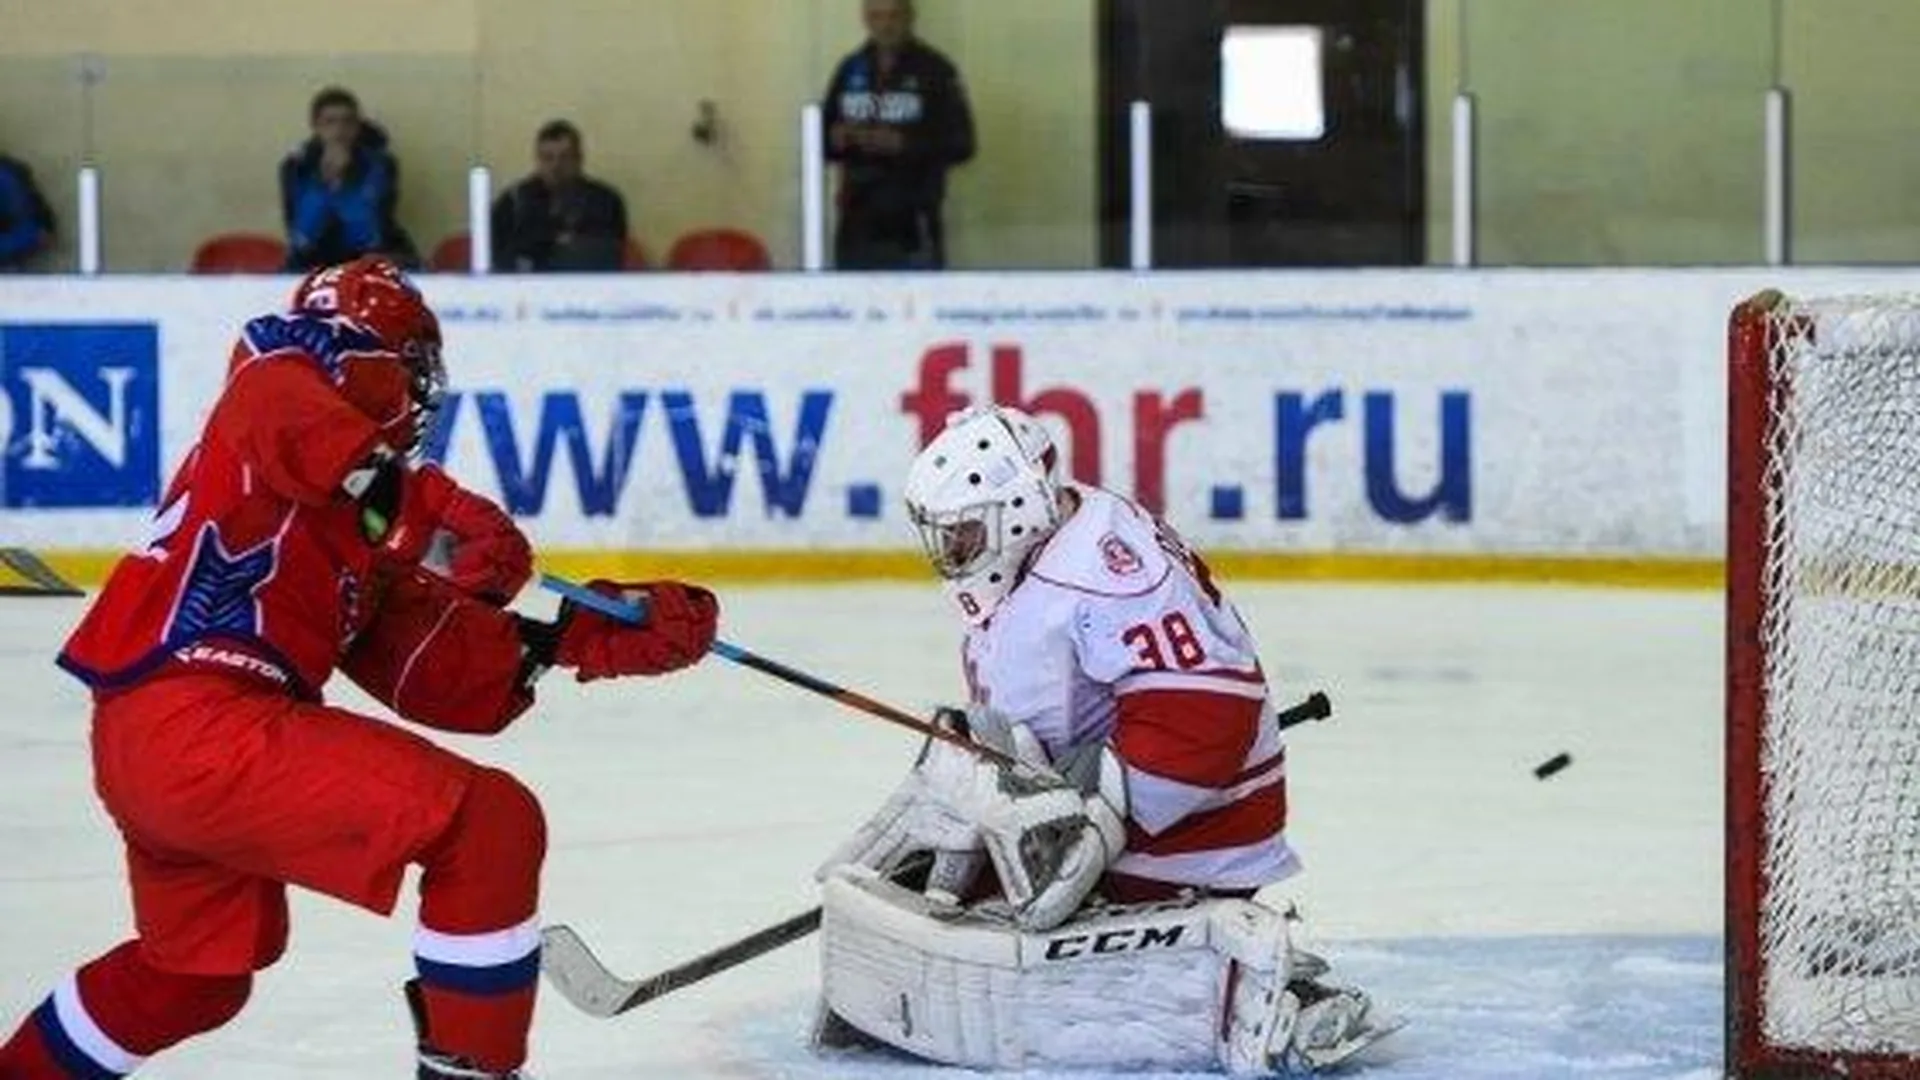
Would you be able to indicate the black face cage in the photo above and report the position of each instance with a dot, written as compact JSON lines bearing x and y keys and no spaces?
{"x":937,"y":531}
{"x":427,"y":391}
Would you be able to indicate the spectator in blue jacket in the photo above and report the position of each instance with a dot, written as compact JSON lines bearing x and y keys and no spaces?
{"x":26,"y":221}
{"x":339,"y":189}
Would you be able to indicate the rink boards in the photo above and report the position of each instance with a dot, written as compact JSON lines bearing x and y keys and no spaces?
{"x":1396,"y":425}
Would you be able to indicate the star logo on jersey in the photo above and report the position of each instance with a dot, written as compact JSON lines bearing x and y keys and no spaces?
{"x":1121,"y":559}
{"x":217,"y":597}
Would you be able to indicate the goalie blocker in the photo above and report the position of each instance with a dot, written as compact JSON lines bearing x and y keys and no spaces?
{"x":1190,"y":984}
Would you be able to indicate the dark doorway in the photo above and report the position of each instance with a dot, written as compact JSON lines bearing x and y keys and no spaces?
{"x":1286,"y":132}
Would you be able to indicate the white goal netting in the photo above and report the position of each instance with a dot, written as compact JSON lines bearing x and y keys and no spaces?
{"x":1840,"y":733}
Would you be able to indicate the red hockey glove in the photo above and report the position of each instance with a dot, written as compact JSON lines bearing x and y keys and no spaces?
{"x":490,"y":557}
{"x":681,"y":620}
{"x":408,"y":513}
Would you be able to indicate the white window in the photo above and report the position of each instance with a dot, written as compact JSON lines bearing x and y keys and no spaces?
{"x":1270,"y":83}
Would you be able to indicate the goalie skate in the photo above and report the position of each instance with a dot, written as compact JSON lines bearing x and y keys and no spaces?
{"x":1334,"y":1025}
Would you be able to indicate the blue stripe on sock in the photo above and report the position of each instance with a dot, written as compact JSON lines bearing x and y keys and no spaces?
{"x":483,"y":981}
{"x":65,"y":1051}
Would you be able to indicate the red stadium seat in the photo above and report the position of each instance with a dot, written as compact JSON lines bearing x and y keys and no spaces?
{"x":719,"y":249}
{"x":240,"y":253}
{"x":454,"y":255}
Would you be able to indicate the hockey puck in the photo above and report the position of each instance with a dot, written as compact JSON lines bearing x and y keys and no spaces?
{"x":1552,"y":765}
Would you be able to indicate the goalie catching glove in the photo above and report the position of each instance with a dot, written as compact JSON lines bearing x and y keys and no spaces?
{"x":1048,"y":842}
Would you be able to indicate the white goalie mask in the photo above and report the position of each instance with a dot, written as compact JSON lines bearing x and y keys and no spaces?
{"x":983,"y":494}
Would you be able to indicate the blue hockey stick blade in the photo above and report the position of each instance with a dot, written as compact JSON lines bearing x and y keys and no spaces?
{"x":611,"y":607}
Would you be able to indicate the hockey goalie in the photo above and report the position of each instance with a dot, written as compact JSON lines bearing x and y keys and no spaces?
{"x":1091,"y":906}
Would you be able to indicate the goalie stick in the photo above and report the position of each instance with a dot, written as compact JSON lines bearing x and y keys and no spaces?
{"x":587,"y":983}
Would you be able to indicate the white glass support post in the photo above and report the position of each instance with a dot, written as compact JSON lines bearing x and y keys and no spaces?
{"x":1463,"y":180}
{"x":480,"y":219}
{"x":813,"y":190}
{"x":87,"y":237}
{"x":1778,"y":223}
{"x":1140,"y":184}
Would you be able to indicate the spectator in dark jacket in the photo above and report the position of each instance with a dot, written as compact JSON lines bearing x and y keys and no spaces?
{"x":338,"y":191}
{"x":559,"y":218}
{"x":26,"y":221}
{"x":896,"y":120}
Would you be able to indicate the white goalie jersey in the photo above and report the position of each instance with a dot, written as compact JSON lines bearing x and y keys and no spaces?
{"x":1120,"y":929}
{"x":1117,"y":635}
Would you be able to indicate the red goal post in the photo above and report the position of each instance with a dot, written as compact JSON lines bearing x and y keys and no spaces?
{"x":1823,"y":687}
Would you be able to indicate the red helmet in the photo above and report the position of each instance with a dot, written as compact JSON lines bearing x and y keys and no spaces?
{"x":371,"y":294}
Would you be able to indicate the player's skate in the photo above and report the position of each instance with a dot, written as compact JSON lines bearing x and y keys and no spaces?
{"x":438,"y":1065}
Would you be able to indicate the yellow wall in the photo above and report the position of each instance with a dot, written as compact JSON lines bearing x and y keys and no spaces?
{"x":1443,"y":82}
{"x":1631,"y":131}
{"x":200,"y":28}
{"x":192,"y":103}
{"x":1856,"y":116}
{"x":196,"y":100}
{"x":1627,"y":131}
{"x":1623,"y":131}
{"x":1031,"y":67}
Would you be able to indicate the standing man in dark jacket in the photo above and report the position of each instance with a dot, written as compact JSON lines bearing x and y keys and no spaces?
{"x":559,"y":218}
{"x":339,"y":189}
{"x":897,"y":120}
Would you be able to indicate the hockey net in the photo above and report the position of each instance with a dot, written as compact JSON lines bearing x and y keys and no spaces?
{"x":1823,"y":692}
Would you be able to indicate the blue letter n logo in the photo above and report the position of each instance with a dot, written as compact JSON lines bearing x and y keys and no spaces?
{"x":82,"y":417}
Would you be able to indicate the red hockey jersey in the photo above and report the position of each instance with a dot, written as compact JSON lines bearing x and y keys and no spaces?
{"x":257,"y":565}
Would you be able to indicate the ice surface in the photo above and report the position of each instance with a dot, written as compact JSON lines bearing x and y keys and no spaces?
{"x":1538,"y":929}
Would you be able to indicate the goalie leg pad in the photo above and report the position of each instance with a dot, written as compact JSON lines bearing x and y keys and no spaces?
{"x":1194,"y":984}
{"x":1138,"y":988}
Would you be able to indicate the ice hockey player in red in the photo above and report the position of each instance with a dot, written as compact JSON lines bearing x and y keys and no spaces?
{"x":1094,"y":907}
{"x":289,"y":546}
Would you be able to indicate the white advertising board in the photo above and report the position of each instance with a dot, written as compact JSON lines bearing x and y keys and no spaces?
{"x":1422,"y":412}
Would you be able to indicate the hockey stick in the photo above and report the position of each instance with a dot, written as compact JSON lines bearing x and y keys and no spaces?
{"x":583,"y":980}
{"x":587,"y":983}
{"x":41,"y":579}
{"x":1314,"y":707}
{"x":614,"y":608}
